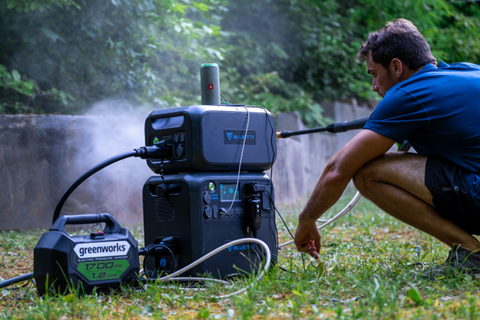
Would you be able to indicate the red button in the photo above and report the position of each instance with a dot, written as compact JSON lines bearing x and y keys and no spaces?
{"x":210,"y":86}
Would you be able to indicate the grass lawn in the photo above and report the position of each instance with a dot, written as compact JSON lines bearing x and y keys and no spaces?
{"x":366,"y":271}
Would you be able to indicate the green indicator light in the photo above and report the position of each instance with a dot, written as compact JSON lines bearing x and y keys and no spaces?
{"x":155,"y":140}
{"x":103,"y":270}
{"x":209,"y":65}
{"x":211,"y":186}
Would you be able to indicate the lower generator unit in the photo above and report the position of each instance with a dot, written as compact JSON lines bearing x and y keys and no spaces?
{"x":192,"y":214}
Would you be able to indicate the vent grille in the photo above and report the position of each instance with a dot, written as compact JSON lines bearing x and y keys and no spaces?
{"x":164,"y":211}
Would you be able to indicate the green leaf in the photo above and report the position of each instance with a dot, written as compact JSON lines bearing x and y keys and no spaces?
{"x":203,"y":314}
{"x":34,"y":5}
{"x":69,"y":298}
{"x":179,"y":7}
{"x":198,"y":24}
{"x":201,"y":6}
{"x":52,"y":35}
{"x":16,"y":75}
{"x":27,"y":84}
{"x":317,"y":267}
{"x":23,"y":90}
{"x":19,"y":6}
{"x":415,"y":295}
{"x":4,"y":72}
{"x":215,"y":30}
{"x":296,"y":293}
{"x":11,"y":4}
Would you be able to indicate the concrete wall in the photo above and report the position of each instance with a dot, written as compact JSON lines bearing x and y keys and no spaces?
{"x":41,"y":156}
{"x":301,"y":159}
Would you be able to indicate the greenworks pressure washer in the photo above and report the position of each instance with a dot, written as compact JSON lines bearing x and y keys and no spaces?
{"x":103,"y":259}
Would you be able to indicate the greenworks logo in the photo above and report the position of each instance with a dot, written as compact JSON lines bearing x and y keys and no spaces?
{"x":102,"y":249}
{"x":239,"y":136}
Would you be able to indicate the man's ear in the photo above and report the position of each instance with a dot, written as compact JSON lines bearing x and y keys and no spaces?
{"x":396,"y":68}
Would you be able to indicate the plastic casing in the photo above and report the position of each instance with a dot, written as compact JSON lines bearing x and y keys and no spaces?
{"x":54,"y":261}
{"x":181,"y":213}
{"x":207,"y":138}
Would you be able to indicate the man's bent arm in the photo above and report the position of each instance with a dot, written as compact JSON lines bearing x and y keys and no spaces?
{"x":366,"y":146}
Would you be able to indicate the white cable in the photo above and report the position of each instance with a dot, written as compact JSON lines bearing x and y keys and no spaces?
{"x":240,"y":163}
{"x":344,"y":211}
{"x":171,"y":277}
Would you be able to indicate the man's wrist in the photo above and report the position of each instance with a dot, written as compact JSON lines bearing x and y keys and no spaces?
{"x":306,"y":219}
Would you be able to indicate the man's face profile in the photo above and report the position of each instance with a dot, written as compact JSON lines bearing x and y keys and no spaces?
{"x":382,"y":79}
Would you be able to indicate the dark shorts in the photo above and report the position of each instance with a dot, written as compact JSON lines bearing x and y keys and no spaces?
{"x":451,"y":196}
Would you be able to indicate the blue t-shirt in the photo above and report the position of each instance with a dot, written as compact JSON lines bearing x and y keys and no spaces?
{"x":437,"y":110}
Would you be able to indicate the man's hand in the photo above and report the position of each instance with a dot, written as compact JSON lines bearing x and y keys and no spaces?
{"x":366,"y":145}
{"x":308,"y":239}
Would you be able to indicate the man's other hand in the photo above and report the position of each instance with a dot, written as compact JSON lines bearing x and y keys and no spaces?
{"x":308,"y":239}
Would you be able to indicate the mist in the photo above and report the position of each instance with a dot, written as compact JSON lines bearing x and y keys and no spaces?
{"x":116,"y":189}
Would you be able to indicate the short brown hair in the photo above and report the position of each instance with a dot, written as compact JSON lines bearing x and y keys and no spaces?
{"x":398,"y":39}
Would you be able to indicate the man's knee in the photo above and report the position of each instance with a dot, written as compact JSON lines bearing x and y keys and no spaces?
{"x":371,"y":173}
{"x":364,"y":178}
{"x":405,"y":171}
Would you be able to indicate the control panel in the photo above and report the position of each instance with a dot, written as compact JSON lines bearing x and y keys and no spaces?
{"x":217,"y":198}
{"x":177,"y":142}
{"x":228,"y":199}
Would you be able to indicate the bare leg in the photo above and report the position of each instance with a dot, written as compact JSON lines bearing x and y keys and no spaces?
{"x":396,"y":183}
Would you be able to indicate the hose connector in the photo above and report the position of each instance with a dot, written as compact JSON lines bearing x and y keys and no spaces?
{"x":158,"y":151}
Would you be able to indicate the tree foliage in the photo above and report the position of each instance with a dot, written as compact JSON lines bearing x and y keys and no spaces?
{"x":311,"y":45}
{"x":61,"y":56}
{"x":452,"y":28}
{"x":142,"y":51}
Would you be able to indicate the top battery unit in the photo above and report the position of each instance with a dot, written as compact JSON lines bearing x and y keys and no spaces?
{"x":205,"y":138}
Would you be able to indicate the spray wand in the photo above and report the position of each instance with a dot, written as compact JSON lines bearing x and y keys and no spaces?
{"x":333,"y":127}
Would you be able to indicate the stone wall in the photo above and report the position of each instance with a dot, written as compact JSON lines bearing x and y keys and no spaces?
{"x":41,"y":156}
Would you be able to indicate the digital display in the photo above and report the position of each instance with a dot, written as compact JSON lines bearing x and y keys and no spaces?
{"x":227,"y":190}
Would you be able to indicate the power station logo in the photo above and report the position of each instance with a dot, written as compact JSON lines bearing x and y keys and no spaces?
{"x":102,"y":249}
{"x":241,"y":249}
{"x":233,"y":136}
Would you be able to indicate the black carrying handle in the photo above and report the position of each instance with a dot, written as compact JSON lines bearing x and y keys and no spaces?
{"x":112,"y":226}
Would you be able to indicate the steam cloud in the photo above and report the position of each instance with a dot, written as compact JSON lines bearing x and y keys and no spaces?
{"x":112,"y":128}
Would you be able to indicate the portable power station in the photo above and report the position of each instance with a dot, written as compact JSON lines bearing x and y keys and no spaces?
{"x":101,"y":259}
{"x":212,"y":138}
{"x":194,"y":213}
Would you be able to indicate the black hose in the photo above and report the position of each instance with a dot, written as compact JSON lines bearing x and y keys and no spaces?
{"x":153,"y":248}
{"x":157,"y":151}
{"x":87,"y":174}
{"x":9,"y":282}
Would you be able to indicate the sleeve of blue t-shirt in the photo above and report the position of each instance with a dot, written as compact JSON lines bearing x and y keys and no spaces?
{"x":398,"y":115}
